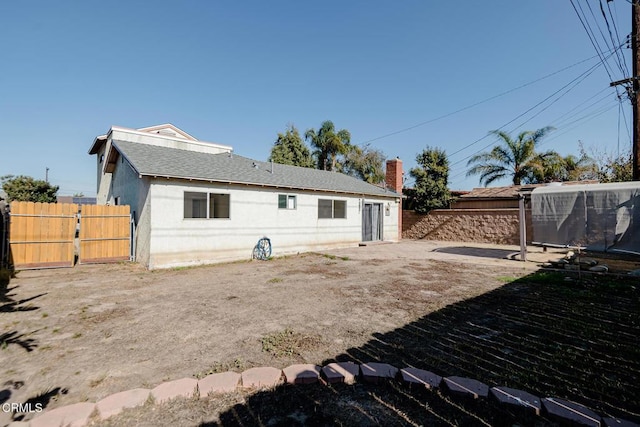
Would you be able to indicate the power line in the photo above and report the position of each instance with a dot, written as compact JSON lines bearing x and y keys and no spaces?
{"x":479,"y":102}
{"x":615,"y":27}
{"x":619,"y":58}
{"x":568,"y":112}
{"x":567,"y":127}
{"x":578,"y":79}
{"x":589,"y":32}
{"x":577,"y":123}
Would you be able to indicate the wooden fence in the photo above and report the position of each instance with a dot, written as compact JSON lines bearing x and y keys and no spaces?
{"x":44,"y":234}
{"x":104,"y":234}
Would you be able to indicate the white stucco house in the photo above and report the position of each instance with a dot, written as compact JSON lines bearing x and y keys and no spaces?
{"x":196,"y":202}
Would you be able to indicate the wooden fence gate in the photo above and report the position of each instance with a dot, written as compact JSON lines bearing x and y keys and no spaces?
{"x":105,"y":234}
{"x":45,"y":235}
{"x":42,"y":234}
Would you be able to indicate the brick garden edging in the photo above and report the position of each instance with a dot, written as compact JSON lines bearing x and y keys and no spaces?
{"x":79,"y":414}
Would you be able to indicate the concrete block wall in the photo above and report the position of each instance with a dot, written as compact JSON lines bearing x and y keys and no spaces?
{"x":498,"y":226}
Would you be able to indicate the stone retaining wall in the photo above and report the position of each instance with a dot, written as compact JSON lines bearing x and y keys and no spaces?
{"x":82,"y":414}
{"x":497,"y":226}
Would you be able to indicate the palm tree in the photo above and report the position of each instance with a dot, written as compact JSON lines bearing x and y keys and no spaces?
{"x":515,"y":158}
{"x":328,"y":144}
{"x":551,"y":166}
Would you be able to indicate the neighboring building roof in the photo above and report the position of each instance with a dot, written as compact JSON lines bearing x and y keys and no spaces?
{"x":79,"y":200}
{"x":512,"y":191}
{"x":590,"y":186}
{"x":156,"y":161}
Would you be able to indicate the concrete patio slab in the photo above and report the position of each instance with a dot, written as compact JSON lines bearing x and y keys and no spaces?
{"x":415,"y":376}
{"x":263,"y":377}
{"x":224,"y":382}
{"x":341,"y":372}
{"x":570,"y":412}
{"x":375,"y":372}
{"x":115,"y":403}
{"x":76,"y":415}
{"x":306,"y":373}
{"x":466,"y":387}
{"x":184,"y":387}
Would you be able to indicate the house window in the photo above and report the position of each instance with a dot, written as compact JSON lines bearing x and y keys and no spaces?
{"x":219,"y":206}
{"x":332,"y":208}
{"x":206,"y":205}
{"x":195,"y":205}
{"x":286,"y":201}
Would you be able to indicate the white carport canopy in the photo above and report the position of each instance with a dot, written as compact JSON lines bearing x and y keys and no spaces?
{"x":598,"y":217}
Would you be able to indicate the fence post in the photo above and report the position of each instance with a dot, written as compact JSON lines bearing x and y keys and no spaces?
{"x":132,"y":237}
{"x":523,"y":229}
{"x":4,"y":234}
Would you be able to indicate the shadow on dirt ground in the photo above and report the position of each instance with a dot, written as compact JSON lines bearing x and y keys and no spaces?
{"x":545,"y":334}
{"x":38,"y":402}
{"x":9,"y":304}
{"x":13,"y":337}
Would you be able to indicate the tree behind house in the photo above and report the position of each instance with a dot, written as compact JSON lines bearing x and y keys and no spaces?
{"x":329,"y":144}
{"x":611,"y":168}
{"x":26,"y":189}
{"x":365,"y":163}
{"x":552,"y":167}
{"x":511,"y":158}
{"x":431,"y":178}
{"x":290,"y":149}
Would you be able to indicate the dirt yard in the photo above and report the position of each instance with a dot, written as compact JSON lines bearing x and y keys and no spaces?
{"x":72,"y":335}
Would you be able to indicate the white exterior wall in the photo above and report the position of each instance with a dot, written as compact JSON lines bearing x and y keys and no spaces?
{"x":254,"y":213}
{"x":131,"y":190}
{"x":103,"y":180}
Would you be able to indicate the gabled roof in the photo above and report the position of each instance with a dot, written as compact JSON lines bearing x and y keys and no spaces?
{"x":166,"y":130}
{"x":155,"y":161}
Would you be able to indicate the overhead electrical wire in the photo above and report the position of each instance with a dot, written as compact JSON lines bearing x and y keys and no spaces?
{"x":569,"y":86}
{"x":491,"y":98}
{"x":622,"y":61}
{"x":618,"y":60}
{"x":566,"y":126}
{"x":589,"y":31}
{"x":573,"y":82}
{"x":568,"y":112}
{"x":576,"y":123}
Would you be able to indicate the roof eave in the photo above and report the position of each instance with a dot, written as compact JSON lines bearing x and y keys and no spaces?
{"x":388,"y":194}
{"x":97,"y":142}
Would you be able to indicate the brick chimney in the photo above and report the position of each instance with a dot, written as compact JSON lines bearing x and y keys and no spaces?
{"x":394,"y":175}
{"x":393,"y":180}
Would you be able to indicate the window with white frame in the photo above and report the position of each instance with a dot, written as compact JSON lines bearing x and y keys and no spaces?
{"x":206,"y":205}
{"x":287,"y":201}
{"x":328,"y":208}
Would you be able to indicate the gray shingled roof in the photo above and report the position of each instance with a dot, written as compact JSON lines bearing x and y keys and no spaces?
{"x":152,"y":160}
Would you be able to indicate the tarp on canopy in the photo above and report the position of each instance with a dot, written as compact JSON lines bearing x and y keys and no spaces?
{"x":599,"y":217}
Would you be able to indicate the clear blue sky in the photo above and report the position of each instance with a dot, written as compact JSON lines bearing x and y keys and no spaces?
{"x":237,"y":73}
